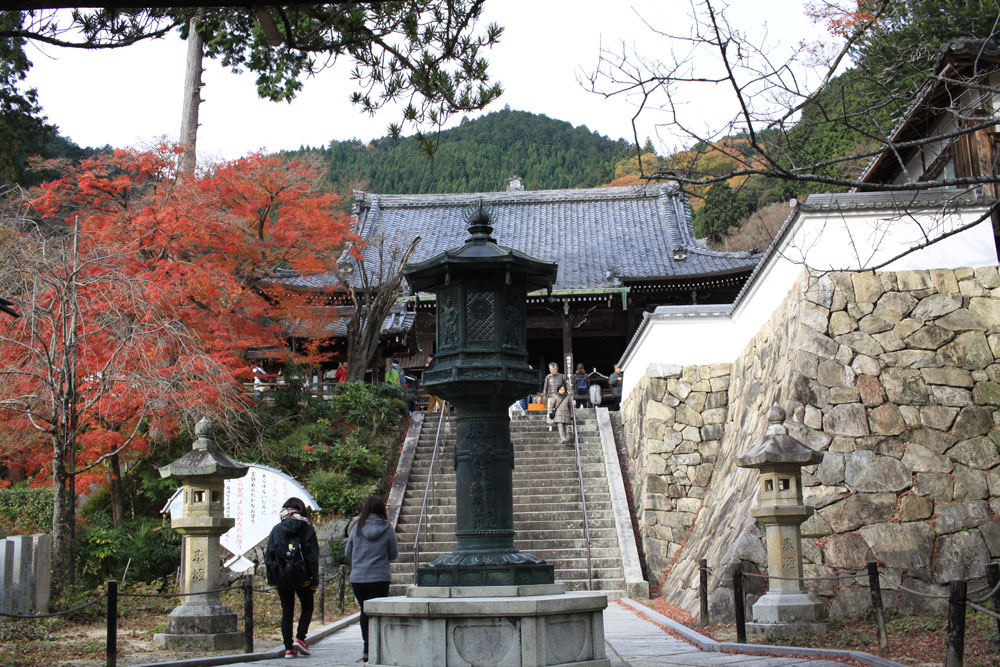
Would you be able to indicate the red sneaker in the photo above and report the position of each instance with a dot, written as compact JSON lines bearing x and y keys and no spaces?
{"x":291,"y":653}
{"x":302,"y":646}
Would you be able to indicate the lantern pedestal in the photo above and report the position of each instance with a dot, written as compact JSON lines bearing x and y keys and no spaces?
{"x":526,"y":626}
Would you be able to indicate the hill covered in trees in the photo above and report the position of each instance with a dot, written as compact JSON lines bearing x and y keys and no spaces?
{"x":478,"y":156}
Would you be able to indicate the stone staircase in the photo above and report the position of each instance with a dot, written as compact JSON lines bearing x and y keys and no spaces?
{"x":548,"y":517}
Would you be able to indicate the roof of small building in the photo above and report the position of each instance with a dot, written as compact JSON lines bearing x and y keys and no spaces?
{"x":963,"y":58}
{"x":600,"y":237}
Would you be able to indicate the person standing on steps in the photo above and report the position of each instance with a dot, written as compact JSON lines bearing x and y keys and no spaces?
{"x":615,"y":384}
{"x":561,"y":413}
{"x":370,"y":546}
{"x":581,"y":386}
{"x":292,"y":564}
{"x":550,"y":389}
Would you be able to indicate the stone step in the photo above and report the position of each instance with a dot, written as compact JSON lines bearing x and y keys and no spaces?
{"x":444,"y":514}
{"x":567,"y":537}
{"x":534,"y":527}
{"x":525,"y":496}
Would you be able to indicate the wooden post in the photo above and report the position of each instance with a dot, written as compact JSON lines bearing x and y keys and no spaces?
{"x":112,"y":636}
{"x":876,"y":591}
{"x":321,"y":590}
{"x":341,"y":575}
{"x":739,"y":604}
{"x":956,"y":624}
{"x":703,"y":591}
{"x":992,"y":579}
{"x":248,"y":613}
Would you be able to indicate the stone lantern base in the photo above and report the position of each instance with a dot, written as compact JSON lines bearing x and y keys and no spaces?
{"x":201,"y":627}
{"x":788,"y":613}
{"x":506,"y":626}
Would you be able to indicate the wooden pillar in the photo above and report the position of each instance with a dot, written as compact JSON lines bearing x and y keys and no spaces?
{"x":567,"y":335}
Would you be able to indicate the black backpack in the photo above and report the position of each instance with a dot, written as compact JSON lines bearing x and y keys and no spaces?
{"x":290,"y":564}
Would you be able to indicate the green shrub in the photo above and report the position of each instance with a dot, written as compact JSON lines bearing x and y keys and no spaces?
{"x":338,"y":493}
{"x":24,"y":510}
{"x":104,"y":552}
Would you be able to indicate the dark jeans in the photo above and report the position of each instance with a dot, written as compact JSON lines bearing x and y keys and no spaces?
{"x":367,"y":591}
{"x":287,"y":598}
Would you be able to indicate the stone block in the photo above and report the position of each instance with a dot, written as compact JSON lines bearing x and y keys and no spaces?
{"x":41,"y":569}
{"x":864,"y":471}
{"x":949,"y":375}
{"x":921,"y":459}
{"x":872,"y":324}
{"x":861,"y":343}
{"x":911,"y":415}
{"x":851,"y":602}
{"x":993,"y":481}
{"x":889,"y":341}
{"x":927,"y":597}
{"x":937,"y":485}
{"x":846,"y":552}
{"x":913,"y":508}
{"x":831,"y":470}
{"x":987,"y":310}
{"x":979,"y":453}
{"x":961,"y":319}
{"x":940,"y":418}
{"x":971,"y":288}
{"x":911,"y":359}
{"x":991,"y":535}
{"x":907,"y":326}
{"x":904,"y":386}
{"x":986,"y":276}
{"x":894,"y":306}
{"x":859,"y":510}
{"x":886,"y":419}
{"x":832,"y":373}
{"x":970,"y":484}
{"x":6,"y":576}
{"x":848,"y":419}
{"x":696,"y":400}
{"x":944,"y":280}
{"x":870,"y":390}
{"x":953,"y":517}
{"x":935,"y":306}
{"x":986,"y":393}
{"x":961,"y":555}
{"x":929,"y":337}
{"x":22,"y":595}
{"x":951,"y":396}
{"x":840,"y":395}
{"x":841,"y":323}
{"x":969,"y":350}
{"x":814,"y":316}
{"x":909,"y":281}
{"x":902,"y":545}
{"x":867,"y":287}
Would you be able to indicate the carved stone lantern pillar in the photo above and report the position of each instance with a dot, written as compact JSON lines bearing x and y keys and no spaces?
{"x":779,"y":458}
{"x":482,"y":367}
{"x":201,"y":621}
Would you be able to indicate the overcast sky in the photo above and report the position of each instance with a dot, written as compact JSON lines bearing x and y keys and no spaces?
{"x":132,"y":96}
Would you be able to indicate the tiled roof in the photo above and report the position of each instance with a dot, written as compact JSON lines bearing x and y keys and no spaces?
{"x":601,"y":237}
{"x":332,"y":323}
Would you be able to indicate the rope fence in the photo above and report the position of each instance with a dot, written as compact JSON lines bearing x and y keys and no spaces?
{"x":958,"y":597}
{"x":112,"y":595}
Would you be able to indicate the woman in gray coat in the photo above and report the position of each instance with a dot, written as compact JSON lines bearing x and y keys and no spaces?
{"x":561,"y":414}
{"x":370,"y":546}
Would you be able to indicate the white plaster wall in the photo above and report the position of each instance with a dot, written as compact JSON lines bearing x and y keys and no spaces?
{"x":820,"y":240}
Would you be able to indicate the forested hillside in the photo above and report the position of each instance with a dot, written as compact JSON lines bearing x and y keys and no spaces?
{"x":479,"y":156}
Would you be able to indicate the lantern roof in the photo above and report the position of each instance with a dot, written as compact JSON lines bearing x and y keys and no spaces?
{"x":482,"y":251}
{"x":204,"y":459}
{"x":777,"y":447}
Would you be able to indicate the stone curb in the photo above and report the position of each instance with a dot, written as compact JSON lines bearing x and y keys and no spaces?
{"x":403,"y":467}
{"x":276,"y":652}
{"x":707,"y":644}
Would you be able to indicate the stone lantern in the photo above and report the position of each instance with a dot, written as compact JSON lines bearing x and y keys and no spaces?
{"x":482,"y":367}
{"x":201,"y":621}
{"x":486,"y":603}
{"x":779,"y":458}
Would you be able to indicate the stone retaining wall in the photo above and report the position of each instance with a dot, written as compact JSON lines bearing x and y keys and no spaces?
{"x":895,"y":377}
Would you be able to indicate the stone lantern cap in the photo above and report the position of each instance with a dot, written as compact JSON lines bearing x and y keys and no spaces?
{"x":204,"y":459}
{"x":483,"y":252}
{"x":777,"y":447}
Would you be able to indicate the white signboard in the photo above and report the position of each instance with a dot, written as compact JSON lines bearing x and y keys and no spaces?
{"x":255,"y":501}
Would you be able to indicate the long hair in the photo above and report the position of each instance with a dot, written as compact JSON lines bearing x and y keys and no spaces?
{"x":372,"y":505}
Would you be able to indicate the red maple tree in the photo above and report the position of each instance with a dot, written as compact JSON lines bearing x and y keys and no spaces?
{"x":140,"y":292}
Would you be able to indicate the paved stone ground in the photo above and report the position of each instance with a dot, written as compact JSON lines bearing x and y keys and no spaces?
{"x":631,"y":642}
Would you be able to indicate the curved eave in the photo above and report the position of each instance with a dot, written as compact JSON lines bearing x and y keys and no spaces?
{"x":540,"y":274}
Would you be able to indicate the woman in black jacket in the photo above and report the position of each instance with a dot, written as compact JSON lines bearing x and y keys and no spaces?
{"x":292,"y":561}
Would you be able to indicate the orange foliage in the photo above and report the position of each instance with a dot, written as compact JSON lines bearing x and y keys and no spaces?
{"x":196,"y":248}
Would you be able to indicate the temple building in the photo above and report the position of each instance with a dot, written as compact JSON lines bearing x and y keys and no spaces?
{"x":621,"y":252}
